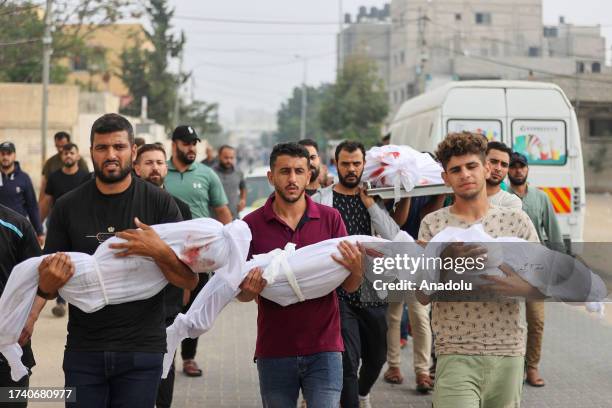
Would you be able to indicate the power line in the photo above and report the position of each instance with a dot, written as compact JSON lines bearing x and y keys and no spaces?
{"x":258,"y":22}
{"x":19,"y":42}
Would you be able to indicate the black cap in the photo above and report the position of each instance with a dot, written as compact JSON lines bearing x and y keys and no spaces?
{"x":7,"y":147}
{"x":518,"y":158}
{"x":185,"y":133}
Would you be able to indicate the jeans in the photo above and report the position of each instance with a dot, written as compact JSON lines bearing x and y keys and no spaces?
{"x":189,"y":346}
{"x":7,"y":381}
{"x":318,"y":375}
{"x":107,"y":379}
{"x":166,"y":390}
{"x":404,"y":323}
{"x":364,"y":331}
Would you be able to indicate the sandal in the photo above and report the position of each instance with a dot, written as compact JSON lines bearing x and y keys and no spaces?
{"x":191,"y":369}
{"x":393,"y":375}
{"x":533,"y":378}
{"x":424,"y":384}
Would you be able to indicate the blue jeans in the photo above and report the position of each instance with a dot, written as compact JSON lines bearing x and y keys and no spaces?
{"x":318,"y":375}
{"x":404,"y":324}
{"x":105,"y":379}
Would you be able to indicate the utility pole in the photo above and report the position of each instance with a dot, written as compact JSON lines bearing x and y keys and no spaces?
{"x":304,"y":101}
{"x":340,"y":37}
{"x":46,"y":41}
{"x":423,"y":54}
{"x":177,"y":102}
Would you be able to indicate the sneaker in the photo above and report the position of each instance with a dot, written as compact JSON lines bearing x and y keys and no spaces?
{"x":364,"y":401}
{"x":59,"y":310}
{"x":403,"y":343}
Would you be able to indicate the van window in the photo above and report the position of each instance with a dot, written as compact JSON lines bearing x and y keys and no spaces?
{"x":492,"y":129}
{"x":543,"y":142}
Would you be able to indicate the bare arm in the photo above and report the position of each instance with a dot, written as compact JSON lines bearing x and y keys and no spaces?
{"x":45,"y":206}
{"x":28,"y":329}
{"x":243,"y":197}
{"x":43,"y":187}
{"x":352,"y":260}
{"x":400,"y":213}
{"x":223,"y":214}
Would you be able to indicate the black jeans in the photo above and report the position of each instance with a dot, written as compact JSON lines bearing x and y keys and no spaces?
{"x":364,"y":331}
{"x":166,"y":390}
{"x":189,"y":346}
{"x":7,"y":381}
{"x":107,"y":379}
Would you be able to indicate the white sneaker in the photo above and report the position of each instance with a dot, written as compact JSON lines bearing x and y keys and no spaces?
{"x":364,"y":401}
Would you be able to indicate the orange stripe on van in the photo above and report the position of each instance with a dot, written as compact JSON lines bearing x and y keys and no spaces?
{"x":561,"y":198}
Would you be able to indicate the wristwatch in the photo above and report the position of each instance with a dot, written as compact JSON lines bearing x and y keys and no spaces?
{"x":43,"y":295}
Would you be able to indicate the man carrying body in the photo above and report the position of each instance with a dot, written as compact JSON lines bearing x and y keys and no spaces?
{"x":150,"y":165}
{"x":59,"y":183}
{"x":298,"y":346}
{"x":314,"y":183}
{"x":539,"y":208}
{"x":480,"y":345}
{"x":232,"y":180}
{"x":114,"y":356}
{"x":16,"y":190}
{"x":363,"y":314}
{"x":17,"y":243}
{"x":198,"y":186}
{"x":498,"y":160}
{"x":54,"y":163}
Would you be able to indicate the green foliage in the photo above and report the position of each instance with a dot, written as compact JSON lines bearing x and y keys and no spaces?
{"x":357,"y":104}
{"x":289,"y":116}
{"x":204,"y":117}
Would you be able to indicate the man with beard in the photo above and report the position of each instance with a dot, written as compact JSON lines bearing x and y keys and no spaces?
{"x":114,"y":356}
{"x":150,"y":165}
{"x":298,"y":346}
{"x":232,"y":180}
{"x":59,"y":183}
{"x":539,"y":208}
{"x":16,"y":190}
{"x":363,"y":315}
{"x":498,"y":160}
{"x":314,"y":183}
{"x":199,"y":186}
{"x":480,"y":345}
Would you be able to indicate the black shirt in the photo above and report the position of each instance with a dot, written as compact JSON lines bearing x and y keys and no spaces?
{"x":17,"y":243}
{"x":80,"y":221}
{"x":357,"y":221}
{"x":60,"y":183}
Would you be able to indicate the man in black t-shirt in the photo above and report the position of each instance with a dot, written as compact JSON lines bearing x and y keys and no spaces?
{"x":17,"y":243}
{"x":114,"y":356}
{"x":59,"y":183}
{"x":150,"y":165}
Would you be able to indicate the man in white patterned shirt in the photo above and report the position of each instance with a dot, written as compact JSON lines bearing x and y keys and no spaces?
{"x":480,"y":345}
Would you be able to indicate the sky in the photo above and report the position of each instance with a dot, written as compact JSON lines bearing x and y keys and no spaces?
{"x":256,"y":66}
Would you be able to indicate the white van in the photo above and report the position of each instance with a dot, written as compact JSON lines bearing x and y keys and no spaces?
{"x":533,"y":118}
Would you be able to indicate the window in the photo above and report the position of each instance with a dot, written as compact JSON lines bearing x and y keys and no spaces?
{"x":596,"y":68}
{"x":79,"y":63}
{"x":403,"y":94}
{"x":457,"y":16}
{"x":600,"y":127}
{"x":543,"y":142}
{"x":483,"y":18}
{"x":409,"y":90}
{"x":402,"y":57}
{"x":551,"y":32}
{"x":534,"y":51}
{"x":580,"y":67}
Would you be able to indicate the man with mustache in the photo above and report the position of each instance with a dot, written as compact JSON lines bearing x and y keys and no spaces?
{"x":59,"y":183}
{"x":363,"y":315}
{"x":150,"y":165}
{"x":314,"y":183}
{"x":498,"y":161}
{"x":232,"y":180}
{"x":199,"y":186}
{"x":114,"y":356}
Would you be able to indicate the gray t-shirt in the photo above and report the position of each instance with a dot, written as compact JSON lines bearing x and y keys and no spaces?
{"x":233,"y":182}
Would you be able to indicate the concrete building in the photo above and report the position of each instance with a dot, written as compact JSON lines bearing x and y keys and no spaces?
{"x":368,"y":35}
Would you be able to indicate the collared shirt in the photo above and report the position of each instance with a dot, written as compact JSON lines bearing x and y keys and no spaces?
{"x":198,"y":186}
{"x":308,"y":327}
{"x":539,"y":208}
{"x":55,"y":163}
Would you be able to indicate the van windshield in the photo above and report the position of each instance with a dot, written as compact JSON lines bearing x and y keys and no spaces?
{"x":543,"y":142}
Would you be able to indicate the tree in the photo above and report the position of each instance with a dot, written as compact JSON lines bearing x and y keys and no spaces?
{"x":357,"y":103}
{"x":22,"y":27}
{"x":289,"y":117}
{"x":145,"y":72}
{"x":204,"y":117}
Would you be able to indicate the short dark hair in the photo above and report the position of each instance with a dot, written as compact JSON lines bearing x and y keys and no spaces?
{"x":69,"y":146}
{"x":140,"y":141}
{"x":111,"y":122}
{"x":309,"y":142}
{"x":460,"y":144}
{"x":289,"y":149}
{"x":61,"y":135}
{"x":349,"y":146}
{"x":386,"y":137}
{"x":495,"y":145}
{"x":149,"y":147}
{"x":223,"y":148}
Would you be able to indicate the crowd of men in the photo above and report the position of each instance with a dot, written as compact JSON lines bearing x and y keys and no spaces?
{"x":332,"y":349}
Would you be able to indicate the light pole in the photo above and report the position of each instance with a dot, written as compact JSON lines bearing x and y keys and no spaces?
{"x":46,"y":41}
{"x":304,"y":98}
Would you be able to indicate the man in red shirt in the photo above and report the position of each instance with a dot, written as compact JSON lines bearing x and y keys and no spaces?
{"x":298,"y":346}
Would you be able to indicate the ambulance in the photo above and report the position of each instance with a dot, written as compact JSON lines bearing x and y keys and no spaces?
{"x":533,"y":118}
